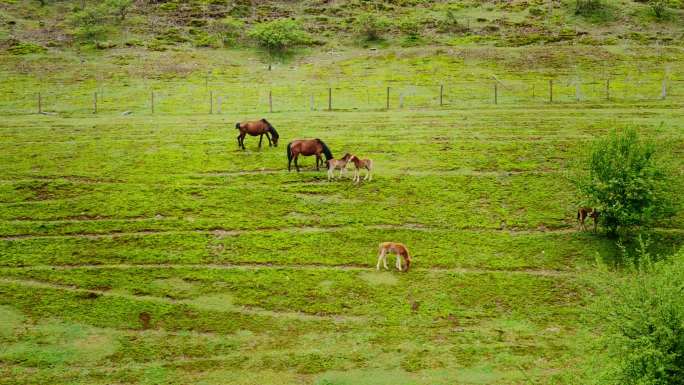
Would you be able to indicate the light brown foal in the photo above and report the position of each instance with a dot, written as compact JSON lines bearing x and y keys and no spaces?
{"x":362,"y":163}
{"x":397,"y":248}
{"x":338,"y":163}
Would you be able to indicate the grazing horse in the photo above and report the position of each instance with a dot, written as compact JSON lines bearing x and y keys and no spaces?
{"x":362,"y":163}
{"x":587,"y":212}
{"x":307,"y":147}
{"x":397,"y":248}
{"x":258,"y":127}
{"x":338,"y":163}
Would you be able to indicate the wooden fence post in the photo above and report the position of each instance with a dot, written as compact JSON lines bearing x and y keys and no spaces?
{"x":663,"y":91}
{"x":270,"y":101}
{"x":329,"y":99}
{"x":441,"y":95}
{"x":550,"y":90}
{"x":388,"y":93}
{"x":607,"y":89}
{"x":211,"y":102}
{"x":496,"y":93}
{"x":311,"y":104}
{"x":218,"y":104}
{"x":95,"y":103}
{"x":152,"y":101}
{"x":532,"y":91}
{"x":40,"y":104}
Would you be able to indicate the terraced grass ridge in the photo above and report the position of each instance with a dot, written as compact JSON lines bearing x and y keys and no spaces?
{"x":144,"y":247}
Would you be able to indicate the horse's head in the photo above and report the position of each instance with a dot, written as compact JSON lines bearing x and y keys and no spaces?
{"x":274,"y":133}
{"x":237,"y":125}
{"x":347,"y":157}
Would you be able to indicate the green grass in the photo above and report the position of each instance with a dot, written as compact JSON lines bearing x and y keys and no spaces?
{"x":253,"y":275}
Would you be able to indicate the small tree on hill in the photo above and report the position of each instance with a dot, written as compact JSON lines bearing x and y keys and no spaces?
{"x":627,"y":180}
{"x":278,"y":36}
{"x":120,"y":7}
{"x":371,"y":25}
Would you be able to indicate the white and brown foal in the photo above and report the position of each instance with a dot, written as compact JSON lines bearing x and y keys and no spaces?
{"x":587,"y":212}
{"x":397,"y":248}
{"x":338,"y":163}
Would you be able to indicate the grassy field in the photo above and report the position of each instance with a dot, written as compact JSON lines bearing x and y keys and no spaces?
{"x":149,"y":249}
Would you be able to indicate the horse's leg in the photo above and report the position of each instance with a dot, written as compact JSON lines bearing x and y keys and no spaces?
{"x":398,"y":264}
{"x":261,"y":137}
{"x":289,"y":160}
{"x":242,"y":140}
{"x":380,"y":258}
{"x":318,"y":160}
{"x":269,"y":139}
{"x":331,"y":170}
{"x":296,"y":164}
{"x":238,"y":139}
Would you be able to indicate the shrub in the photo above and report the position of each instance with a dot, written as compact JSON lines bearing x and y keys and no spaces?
{"x":119,"y":7}
{"x":659,"y":8}
{"x":588,"y":7}
{"x":20,"y":48}
{"x":410,"y":27}
{"x":644,"y":319}
{"x":89,"y":23}
{"x":628,"y":181}
{"x":279,"y":35}
{"x":371,"y":25}
{"x":450,"y":23}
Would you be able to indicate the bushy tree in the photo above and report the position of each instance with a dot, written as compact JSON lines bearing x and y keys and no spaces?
{"x":644,"y":319}
{"x":228,"y":30}
{"x":119,"y":7}
{"x":279,"y":35}
{"x":627,"y":179}
{"x":371,"y":26}
{"x":90,"y":23}
{"x":659,"y":8}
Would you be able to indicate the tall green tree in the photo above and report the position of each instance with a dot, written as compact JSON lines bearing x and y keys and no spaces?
{"x":278,"y":36}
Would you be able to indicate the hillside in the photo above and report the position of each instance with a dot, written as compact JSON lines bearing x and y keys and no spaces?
{"x":162,"y":25}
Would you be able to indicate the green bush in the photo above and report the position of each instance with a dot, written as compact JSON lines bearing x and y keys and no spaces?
{"x":120,"y":8}
{"x":410,"y":26}
{"x":450,"y":23}
{"x":90,"y":24}
{"x":627,"y":179}
{"x":659,"y":8}
{"x":588,"y":7}
{"x":371,"y":26}
{"x":644,"y":320}
{"x":279,"y":35}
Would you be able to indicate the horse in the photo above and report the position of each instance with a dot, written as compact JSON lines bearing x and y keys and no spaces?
{"x":307,"y":147}
{"x":397,"y":248}
{"x":338,"y":163}
{"x":362,"y":163}
{"x":258,"y":127}
{"x":587,"y":212}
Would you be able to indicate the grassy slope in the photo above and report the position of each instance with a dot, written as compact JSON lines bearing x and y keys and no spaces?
{"x":254,"y":275}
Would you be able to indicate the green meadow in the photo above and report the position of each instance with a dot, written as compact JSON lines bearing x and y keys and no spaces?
{"x":147,"y":248}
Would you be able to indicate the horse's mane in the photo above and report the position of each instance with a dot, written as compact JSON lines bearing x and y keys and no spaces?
{"x":270,"y":127}
{"x":326,"y":150}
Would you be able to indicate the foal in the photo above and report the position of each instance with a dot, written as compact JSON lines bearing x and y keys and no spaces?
{"x":587,"y":212}
{"x":338,"y":163}
{"x":362,"y":163}
{"x":397,"y":248}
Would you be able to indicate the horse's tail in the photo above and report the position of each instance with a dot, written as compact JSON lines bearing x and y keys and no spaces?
{"x":289,"y":152}
{"x":237,"y":125}
{"x":326,"y":150}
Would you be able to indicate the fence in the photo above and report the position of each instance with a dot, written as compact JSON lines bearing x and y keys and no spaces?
{"x":238,"y":99}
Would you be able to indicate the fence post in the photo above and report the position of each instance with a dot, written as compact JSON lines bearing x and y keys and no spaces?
{"x":496,"y":93}
{"x":329,"y":99}
{"x":40,"y":104}
{"x":550,"y":90}
{"x":312,"y":106}
{"x":441,"y":95}
{"x":532,"y":91}
{"x":388,"y":92}
{"x":607,"y":89}
{"x":401,"y":100}
{"x":211,"y":102}
{"x":663,"y":92}
{"x":152,"y":101}
{"x":95,"y":103}
{"x":218,"y":104}
{"x":270,"y":101}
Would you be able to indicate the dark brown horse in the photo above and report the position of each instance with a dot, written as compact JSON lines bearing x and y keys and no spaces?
{"x":307,"y":147}
{"x":587,"y":212}
{"x":259,"y":127}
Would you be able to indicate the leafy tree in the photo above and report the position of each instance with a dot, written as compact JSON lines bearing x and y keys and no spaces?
{"x":279,"y":35}
{"x":371,"y":25}
{"x":644,"y":319}
{"x":659,"y":8}
{"x":628,"y":181}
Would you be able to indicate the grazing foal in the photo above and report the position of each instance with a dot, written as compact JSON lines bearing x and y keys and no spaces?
{"x":338,"y":163}
{"x":362,"y":163}
{"x":587,"y":212}
{"x":397,"y":248}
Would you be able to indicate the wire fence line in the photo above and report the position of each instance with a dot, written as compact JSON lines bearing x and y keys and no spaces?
{"x":239,"y":99}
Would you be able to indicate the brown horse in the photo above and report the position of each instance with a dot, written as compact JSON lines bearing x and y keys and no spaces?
{"x":307,"y":147}
{"x":258,"y":127}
